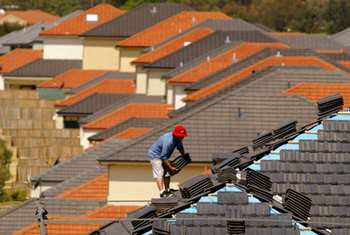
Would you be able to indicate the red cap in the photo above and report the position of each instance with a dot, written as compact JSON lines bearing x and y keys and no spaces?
{"x":179,"y":131}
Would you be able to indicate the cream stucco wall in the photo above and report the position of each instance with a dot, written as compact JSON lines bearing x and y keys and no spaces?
{"x":179,"y":94}
{"x":155,"y":84}
{"x":63,"y":48}
{"x":170,"y":94}
{"x":84,"y":135}
{"x":2,"y":83}
{"x":13,"y":20}
{"x":135,"y":182}
{"x":17,"y":82}
{"x":100,"y":54}
{"x":141,"y":80}
{"x":128,"y":54}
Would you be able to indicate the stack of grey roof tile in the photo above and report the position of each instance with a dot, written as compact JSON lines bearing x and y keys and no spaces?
{"x":285,"y":129}
{"x":262,"y":139}
{"x":163,"y":204}
{"x":298,"y":204}
{"x":329,"y":105}
{"x":235,"y":227}
{"x":181,"y":161}
{"x":139,"y":219}
{"x":161,"y":227}
{"x":259,"y":185}
{"x":226,"y":174}
{"x":232,"y":162}
{"x":195,"y":186}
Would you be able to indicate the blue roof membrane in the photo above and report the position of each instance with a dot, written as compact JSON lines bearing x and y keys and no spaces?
{"x":230,"y":188}
{"x":272,"y":157}
{"x":305,"y":136}
{"x":255,"y":167}
{"x":304,"y":230}
{"x":274,"y":212}
{"x":287,"y":147}
{"x":252,"y":199}
{"x":340,"y":117}
{"x":191,"y":210}
{"x":209,"y":199}
{"x":318,"y":127}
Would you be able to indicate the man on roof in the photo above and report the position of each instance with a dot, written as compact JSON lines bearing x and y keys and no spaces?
{"x":159,"y":154}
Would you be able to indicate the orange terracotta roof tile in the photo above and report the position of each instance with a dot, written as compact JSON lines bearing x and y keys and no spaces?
{"x":132,"y":133}
{"x":316,"y":91}
{"x":112,"y":212}
{"x":31,"y":16}
{"x":95,"y":189}
{"x":18,"y":58}
{"x":60,"y":229}
{"x":138,"y":110}
{"x":173,"y":46}
{"x":270,"y":61}
{"x":78,"y":24}
{"x":72,"y":78}
{"x":169,"y":27}
{"x":222,"y":61}
{"x":346,"y":63}
{"x":105,"y":86}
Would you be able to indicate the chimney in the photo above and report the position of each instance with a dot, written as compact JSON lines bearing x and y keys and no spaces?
{"x":278,"y":54}
{"x":208,"y":58}
{"x":234,"y":58}
{"x":154,"y":10}
{"x":186,"y":43}
{"x":181,"y":64}
{"x":227,"y":39}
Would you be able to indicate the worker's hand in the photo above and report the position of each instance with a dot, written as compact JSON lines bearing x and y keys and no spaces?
{"x":174,"y":170}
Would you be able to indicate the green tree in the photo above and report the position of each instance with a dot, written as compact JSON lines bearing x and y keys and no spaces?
{"x":6,"y":28}
{"x":337,"y":15}
{"x":5,"y":160}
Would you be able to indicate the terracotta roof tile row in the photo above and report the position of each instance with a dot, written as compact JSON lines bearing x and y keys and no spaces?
{"x":302,"y":61}
{"x":223,"y":60}
{"x":132,"y":133}
{"x":170,"y":27}
{"x":31,"y":16}
{"x":316,"y":91}
{"x":95,"y":189}
{"x":18,"y":58}
{"x":60,"y":229}
{"x":105,"y":86}
{"x":346,"y":63}
{"x":72,"y":78}
{"x":141,"y":110}
{"x":79,"y":24}
{"x":172,"y":46}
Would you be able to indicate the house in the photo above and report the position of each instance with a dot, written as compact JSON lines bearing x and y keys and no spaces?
{"x":133,"y":46}
{"x":63,"y":42}
{"x":100,"y":43}
{"x":16,"y":59}
{"x":25,"y":18}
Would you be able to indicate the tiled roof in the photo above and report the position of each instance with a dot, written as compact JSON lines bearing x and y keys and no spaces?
{"x":172,"y":46}
{"x":72,"y":78}
{"x":79,"y":24}
{"x":320,"y":42}
{"x":31,"y":16}
{"x":132,"y":133}
{"x":142,"y":110}
{"x":221,"y":61}
{"x":18,"y":58}
{"x":346,"y":63}
{"x":316,"y":91}
{"x":303,"y":61}
{"x":112,"y":211}
{"x":105,"y":86}
{"x":169,"y":27}
{"x":60,"y":229}
{"x":206,"y":44}
{"x":137,"y":20}
{"x":233,"y":117}
{"x":95,"y":189}
{"x":44,"y":68}
{"x":121,"y":127}
{"x":91,"y":104}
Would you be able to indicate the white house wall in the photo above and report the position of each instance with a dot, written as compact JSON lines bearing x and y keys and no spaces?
{"x":179,"y":94}
{"x":63,"y":48}
{"x":84,"y":135}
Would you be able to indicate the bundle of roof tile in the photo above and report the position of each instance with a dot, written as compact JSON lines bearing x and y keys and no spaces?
{"x":235,"y":227}
{"x":163,"y":204}
{"x":226,"y":175}
{"x":262,"y":139}
{"x":181,"y":161}
{"x":298,"y":204}
{"x":236,"y":153}
{"x":285,"y":129}
{"x":329,"y":105}
{"x":160,"y":227}
{"x":259,"y":185}
{"x":231,"y":162}
{"x":147,"y":212}
{"x":195,"y":186}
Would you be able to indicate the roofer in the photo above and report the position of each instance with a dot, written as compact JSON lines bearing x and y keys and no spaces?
{"x":159,"y":154}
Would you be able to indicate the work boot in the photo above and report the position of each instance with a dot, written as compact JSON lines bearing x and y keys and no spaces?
{"x":166,"y":194}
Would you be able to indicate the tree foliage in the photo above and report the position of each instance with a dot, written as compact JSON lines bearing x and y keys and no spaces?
{"x":7,"y":27}
{"x":312,"y":16}
{"x":5,"y":160}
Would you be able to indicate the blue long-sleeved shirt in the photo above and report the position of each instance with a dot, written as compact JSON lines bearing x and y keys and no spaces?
{"x":164,"y":147}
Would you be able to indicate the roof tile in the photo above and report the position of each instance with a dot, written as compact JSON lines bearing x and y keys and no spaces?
{"x":141,"y":110}
{"x":32,"y":16}
{"x":18,"y":58}
{"x":346,"y":63}
{"x":173,"y":45}
{"x":316,"y":91}
{"x":169,"y":27}
{"x":112,"y":211}
{"x":105,"y":86}
{"x":78,"y":24}
{"x":60,"y":229}
{"x":132,"y":133}
{"x":302,"y":61}
{"x":95,"y":189}
{"x":221,"y":61}
{"x":72,"y":78}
